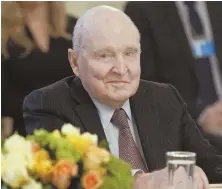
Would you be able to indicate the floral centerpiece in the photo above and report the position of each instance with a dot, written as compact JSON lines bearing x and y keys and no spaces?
{"x":63,"y":160}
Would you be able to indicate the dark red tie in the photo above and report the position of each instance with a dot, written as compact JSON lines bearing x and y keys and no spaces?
{"x":128,"y":150}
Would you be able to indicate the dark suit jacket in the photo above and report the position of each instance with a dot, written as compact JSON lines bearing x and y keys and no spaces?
{"x":166,"y":55}
{"x":161,"y":117}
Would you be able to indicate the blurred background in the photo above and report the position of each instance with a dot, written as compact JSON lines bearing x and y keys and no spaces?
{"x":36,"y":35}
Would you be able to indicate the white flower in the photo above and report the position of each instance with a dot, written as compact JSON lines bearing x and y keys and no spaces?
{"x":69,"y":129}
{"x":29,"y":155}
{"x":18,"y":144}
{"x":92,"y":137}
{"x":3,"y":168}
{"x":32,"y":184}
{"x":15,"y":143}
{"x":14,"y":172}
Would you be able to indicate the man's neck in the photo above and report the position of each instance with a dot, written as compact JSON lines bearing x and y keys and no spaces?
{"x":113,"y":104}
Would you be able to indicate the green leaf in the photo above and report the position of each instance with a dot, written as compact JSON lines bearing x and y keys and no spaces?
{"x":5,"y":186}
{"x":47,"y":186}
{"x":119,"y":175}
{"x":104,"y":144}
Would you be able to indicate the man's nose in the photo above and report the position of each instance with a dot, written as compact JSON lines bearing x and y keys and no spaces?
{"x":120,"y":66}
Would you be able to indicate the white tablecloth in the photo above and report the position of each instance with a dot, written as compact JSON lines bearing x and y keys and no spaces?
{"x":215,"y":186}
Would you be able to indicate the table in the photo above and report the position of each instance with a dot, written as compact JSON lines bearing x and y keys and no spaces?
{"x":215,"y":186}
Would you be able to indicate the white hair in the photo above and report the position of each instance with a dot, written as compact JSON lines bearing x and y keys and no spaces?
{"x":89,"y":16}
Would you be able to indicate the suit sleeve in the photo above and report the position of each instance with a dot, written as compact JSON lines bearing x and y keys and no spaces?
{"x":137,"y":13}
{"x":40,"y":112}
{"x":209,"y":157}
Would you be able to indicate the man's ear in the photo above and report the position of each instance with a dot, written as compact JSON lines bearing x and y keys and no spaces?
{"x":73,"y":61}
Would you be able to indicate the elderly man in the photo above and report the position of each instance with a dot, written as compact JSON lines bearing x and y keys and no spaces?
{"x":141,"y":120}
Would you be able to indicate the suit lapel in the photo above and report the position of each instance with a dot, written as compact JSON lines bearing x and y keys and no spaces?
{"x":215,"y":13}
{"x":145,"y":114}
{"x":90,"y":119}
{"x":86,"y":110}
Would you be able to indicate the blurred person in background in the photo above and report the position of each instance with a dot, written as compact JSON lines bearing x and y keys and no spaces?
{"x":181,"y":44}
{"x":35,"y":38}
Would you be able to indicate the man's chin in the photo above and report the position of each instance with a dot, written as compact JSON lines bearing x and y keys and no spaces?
{"x":123,"y":97}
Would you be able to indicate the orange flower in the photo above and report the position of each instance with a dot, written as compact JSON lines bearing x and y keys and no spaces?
{"x":41,"y":155}
{"x":35,"y":147}
{"x":91,"y":180}
{"x":62,"y":173}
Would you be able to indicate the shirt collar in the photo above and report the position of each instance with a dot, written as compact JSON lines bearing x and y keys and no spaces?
{"x":106,"y":111}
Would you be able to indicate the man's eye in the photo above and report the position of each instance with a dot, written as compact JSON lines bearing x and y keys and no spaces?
{"x":104,"y":55}
{"x":130,"y":53}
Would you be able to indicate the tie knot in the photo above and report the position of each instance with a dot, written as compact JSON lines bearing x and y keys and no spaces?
{"x":119,"y":119}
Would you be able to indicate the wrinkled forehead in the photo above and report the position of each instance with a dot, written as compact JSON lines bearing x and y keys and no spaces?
{"x":112,"y":30}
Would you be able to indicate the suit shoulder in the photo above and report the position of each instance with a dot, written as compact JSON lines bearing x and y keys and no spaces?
{"x":62,"y":86}
{"x":165,"y":95}
{"x":159,"y":91}
{"x":59,"y":89}
{"x":154,"y":85}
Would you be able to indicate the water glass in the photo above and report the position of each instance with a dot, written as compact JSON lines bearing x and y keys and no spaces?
{"x":180,"y":169}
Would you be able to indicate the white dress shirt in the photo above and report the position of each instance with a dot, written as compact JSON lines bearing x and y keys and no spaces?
{"x":112,"y":131}
{"x":202,"y":11}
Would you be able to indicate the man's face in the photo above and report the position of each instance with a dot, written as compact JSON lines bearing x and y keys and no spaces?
{"x":109,"y":63}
